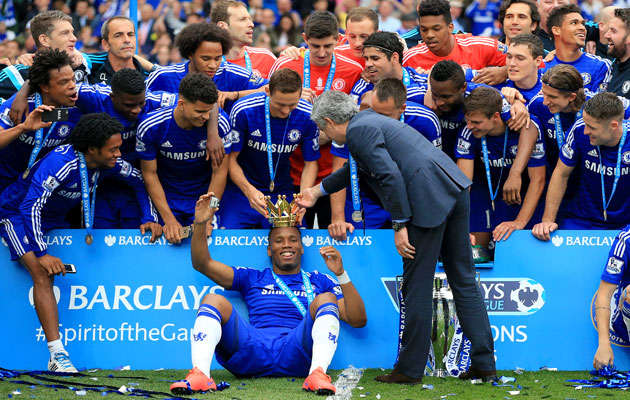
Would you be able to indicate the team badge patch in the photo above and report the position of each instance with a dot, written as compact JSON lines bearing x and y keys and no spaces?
{"x":294,"y":135}
{"x":63,"y":130}
{"x":625,"y":157}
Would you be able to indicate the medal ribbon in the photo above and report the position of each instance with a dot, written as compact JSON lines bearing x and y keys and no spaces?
{"x":354,"y":184}
{"x":486,"y":162}
{"x":272,"y":173}
{"x":307,"y":71}
{"x":39,"y":136}
{"x":307,"y":286}
{"x":617,"y":171}
{"x":87,"y":200}
{"x":406,"y":78}
{"x":248,"y":61}
{"x":558,"y":124}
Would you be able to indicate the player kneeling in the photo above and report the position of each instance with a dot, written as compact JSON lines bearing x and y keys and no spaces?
{"x":293,"y":314}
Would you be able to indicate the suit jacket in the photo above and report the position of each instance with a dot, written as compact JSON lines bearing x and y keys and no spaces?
{"x":412,"y":178}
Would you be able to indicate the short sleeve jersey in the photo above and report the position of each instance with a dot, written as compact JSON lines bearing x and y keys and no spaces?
{"x":182,"y":167}
{"x":249,"y":137}
{"x":595,"y":71}
{"x":588,"y":203}
{"x":268,"y":305}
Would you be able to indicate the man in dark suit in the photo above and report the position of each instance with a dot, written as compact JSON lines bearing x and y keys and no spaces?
{"x":427,"y":197}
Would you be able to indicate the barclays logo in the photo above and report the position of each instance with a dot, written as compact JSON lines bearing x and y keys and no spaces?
{"x":557,"y":241}
{"x":597,"y":241}
{"x":307,"y":240}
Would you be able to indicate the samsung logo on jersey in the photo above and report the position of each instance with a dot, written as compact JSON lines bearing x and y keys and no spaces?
{"x":30,"y":140}
{"x":275,"y":148}
{"x":450,"y":124}
{"x":502,"y":162}
{"x":145,"y":297}
{"x":187,"y":155}
{"x":608,"y":171}
{"x":69,"y":195}
{"x":129,"y":134}
{"x":266,"y":291}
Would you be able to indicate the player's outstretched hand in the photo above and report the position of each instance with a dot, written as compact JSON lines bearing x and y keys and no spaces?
{"x":172,"y":231}
{"x":154,"y":228}
{"x":203,"y":211}
{"x":26,"y":59}
{"x":505,"y":229}
{"x":603,"y":356}
{"x":333,"y":260}
{"x":308,"y":198}
{"x":337,"y":229}
{"x":52,"y":265}
{"x":491,"y":75}
{"x":34,"y":121}
{"x":257,"y":202}
{"x":542,"y":230}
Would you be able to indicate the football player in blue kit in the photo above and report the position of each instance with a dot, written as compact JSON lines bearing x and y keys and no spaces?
{"x":38,"y":203}
{"x":204,"y":45}
{"x":294,"y":315}
{"x":171,"y":144}
{"x":614,"y":284}
{"x":383,"y":54}
{"x":566,"y":25}
{"x":598,"y":148}
{"x":266,"y":129}
{"x":53,"y":85}
{"x":389,"y":98}
{"x":488,"y":141}
{"x":129,"y":102}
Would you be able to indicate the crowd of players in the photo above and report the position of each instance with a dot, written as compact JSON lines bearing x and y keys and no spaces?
{"x":536,"y":122}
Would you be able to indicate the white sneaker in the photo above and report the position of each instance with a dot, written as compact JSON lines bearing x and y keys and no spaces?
{"x":60,"y":362}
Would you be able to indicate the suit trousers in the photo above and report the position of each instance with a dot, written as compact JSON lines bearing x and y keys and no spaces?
{"x":451,"y":240}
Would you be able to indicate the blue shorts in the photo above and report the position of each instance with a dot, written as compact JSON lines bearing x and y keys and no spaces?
{"x":236,"y":213}
{"x":250,"y":352}
{"x":484,"y":219}
{"x":13,"y":234}
{"x":375,"y":216}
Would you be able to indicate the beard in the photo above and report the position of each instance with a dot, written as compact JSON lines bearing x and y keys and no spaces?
{"x":618,"y":51}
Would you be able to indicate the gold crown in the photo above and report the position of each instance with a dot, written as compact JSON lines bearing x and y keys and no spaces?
{"x":283,"y":213}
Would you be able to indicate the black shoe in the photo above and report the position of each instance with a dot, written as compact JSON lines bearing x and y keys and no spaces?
{"x":398,"y":377}
{"x":474,"y":373}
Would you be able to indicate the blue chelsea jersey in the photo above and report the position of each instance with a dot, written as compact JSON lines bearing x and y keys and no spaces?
{"x":180,"y":153}
{"x":588,"y":203}
{"x":249,"y":137}
{"x":53,"y":187}
{"x":228,"y":78}
{"x":97,"y":98}
{"x":417,"y":116}
{"x":268,"y":305}
{"x":415,"y":90}
{"x":14,"y":157}
{"x":595,"y":71}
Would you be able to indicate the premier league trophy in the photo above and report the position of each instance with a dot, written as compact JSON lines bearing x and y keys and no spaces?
{"x":443,"y":319}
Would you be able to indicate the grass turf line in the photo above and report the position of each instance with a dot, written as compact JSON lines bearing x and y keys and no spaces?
{"x":550,"y":385}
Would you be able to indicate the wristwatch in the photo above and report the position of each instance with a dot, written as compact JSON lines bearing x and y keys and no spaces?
{"x":397,"y":226}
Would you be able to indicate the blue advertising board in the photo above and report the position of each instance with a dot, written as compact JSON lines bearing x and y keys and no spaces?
{"x":134,"y":303}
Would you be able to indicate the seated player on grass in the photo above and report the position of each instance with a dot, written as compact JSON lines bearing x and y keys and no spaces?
{"x":293,"y":314}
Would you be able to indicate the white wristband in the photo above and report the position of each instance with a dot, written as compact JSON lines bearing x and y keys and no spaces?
{"x":343,"y":278}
